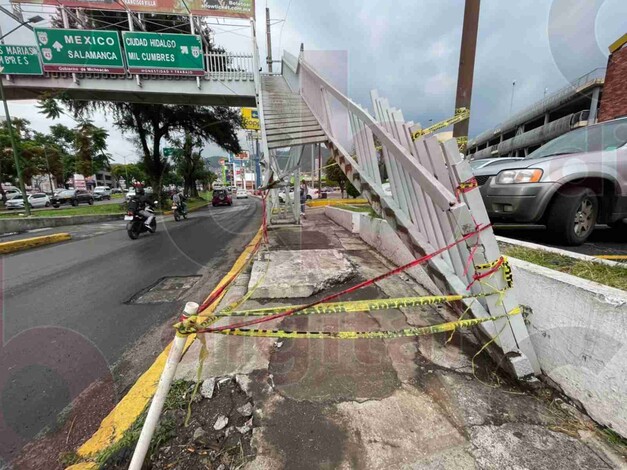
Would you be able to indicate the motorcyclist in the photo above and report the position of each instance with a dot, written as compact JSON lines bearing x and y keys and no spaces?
{"x":143,"y":202}
{"x":179,"y":198}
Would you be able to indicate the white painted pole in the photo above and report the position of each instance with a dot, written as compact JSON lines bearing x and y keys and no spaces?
{"x":152,"y":419}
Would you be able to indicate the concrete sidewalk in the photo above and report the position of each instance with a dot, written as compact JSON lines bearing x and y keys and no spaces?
{"x":402,"y":403}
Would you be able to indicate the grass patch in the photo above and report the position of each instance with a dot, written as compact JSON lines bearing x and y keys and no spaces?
{"x":359,"y":208}
{"x":103,"y":209}
{"x":613,"y":276}
{"x":614,"y":438}
{"x":352,"y":208}
{"x":120,"y":452}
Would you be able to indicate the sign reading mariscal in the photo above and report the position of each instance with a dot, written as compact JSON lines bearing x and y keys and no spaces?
{"x":80,"y":50}
{"x":20,"y":60}
{"x":163,"y":54}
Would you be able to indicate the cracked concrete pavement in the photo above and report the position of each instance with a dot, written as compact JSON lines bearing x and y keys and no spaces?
{"x":405,"y":403}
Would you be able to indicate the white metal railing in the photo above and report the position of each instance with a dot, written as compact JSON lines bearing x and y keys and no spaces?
{"x":425,"y":206}
{"x":230,"y":66}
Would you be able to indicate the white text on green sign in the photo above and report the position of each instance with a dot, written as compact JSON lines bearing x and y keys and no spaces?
{"x":20,"y":60}
{"x":163,"y":54}
{"x":80,"y":51}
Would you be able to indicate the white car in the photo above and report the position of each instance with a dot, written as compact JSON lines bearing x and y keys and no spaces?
{"x":102,"y":192}
{"x":241,"y":194}
{"x":34,"y":200}
{"x":311,"y":194}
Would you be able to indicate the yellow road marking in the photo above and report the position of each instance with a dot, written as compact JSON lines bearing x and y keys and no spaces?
{"x":335,"y":202}
{"x":613,"y":257}
{"x":27,"y":243}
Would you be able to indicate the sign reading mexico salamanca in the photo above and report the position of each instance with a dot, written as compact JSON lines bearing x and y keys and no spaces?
{"x":80,"y":50}
{"x":221,"y":8}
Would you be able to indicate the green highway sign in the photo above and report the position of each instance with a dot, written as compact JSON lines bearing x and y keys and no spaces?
{"x":163,"y":54}
{"x":80,"y":50}
{"x":20,"y":60}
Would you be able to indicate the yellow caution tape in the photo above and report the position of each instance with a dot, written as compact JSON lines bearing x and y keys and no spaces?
{"x":507,"y":269}
{"x":461,"y":114}
{"x":462,"y":143}
{"x":407,"y":332}
{"x":354,"y":306}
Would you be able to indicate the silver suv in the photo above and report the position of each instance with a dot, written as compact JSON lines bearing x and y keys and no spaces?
{"x":569,"y":184}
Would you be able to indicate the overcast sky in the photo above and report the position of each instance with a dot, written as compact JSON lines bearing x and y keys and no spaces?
{"x":409,"y":51}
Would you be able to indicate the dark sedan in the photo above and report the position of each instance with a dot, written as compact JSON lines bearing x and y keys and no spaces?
{"x":73,"y":197}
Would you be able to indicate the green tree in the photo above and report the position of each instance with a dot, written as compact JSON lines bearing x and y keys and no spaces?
{"x":335,"y":173}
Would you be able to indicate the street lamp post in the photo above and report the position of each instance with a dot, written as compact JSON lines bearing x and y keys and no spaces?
{"x":34,"y":19}
{"x":14,"y":146}
{"x":511,"y":103}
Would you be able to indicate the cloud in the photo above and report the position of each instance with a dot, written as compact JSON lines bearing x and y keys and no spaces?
{"x":409,"y":50}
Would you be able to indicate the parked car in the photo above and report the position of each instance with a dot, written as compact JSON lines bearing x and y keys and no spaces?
{"x":13,"y":196}
{"x":73,"y":197}
{"x":221,"y":197}
{"x":116,"y":191}
{"x":130,"y":194}
{"x":12,"y":192}
{"x":485,"y":162}
{"x":311,"y":194}
{"x":569,"y":184}
{"x":241,"y":194}
{"x":35,"y":200}
{"x":101,"y":193}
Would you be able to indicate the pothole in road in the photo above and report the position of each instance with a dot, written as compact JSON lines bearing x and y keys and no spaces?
{"x":166,"y":289}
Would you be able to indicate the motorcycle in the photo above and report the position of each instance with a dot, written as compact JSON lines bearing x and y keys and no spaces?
{"x":179,"y":212}
{"x":135,"y":222}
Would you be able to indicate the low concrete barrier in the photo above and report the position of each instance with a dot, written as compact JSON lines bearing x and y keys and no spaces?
{"x":28,"y":243}
{"x":578,"y":328}
{"x":23,"y":224}
{"x":579,"y":332}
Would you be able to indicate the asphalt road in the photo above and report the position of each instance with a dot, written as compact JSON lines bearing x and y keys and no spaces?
{"x":70,"y":313}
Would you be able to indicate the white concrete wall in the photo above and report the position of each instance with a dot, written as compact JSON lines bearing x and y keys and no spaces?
{"x":578,"y":328}
{"x":579,"y":332}
{"x":378,"y":234}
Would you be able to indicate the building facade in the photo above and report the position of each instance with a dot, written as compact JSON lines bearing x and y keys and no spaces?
{"x":614,"y":102}
{"x":573,"y":106}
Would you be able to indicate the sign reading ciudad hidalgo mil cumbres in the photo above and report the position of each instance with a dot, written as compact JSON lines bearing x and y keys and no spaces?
{"x":228,"y":8}
{"x":163,"y":54}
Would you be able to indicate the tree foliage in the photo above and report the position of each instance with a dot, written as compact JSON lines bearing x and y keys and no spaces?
{"x":335,"y":173}
{"x":59,"y":153}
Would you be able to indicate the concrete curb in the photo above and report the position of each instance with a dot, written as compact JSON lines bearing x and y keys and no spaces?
{"x":31,"y":223}
{"x":34,"y":242}
{"x":559,"y":251}
{"x":335,"y":202}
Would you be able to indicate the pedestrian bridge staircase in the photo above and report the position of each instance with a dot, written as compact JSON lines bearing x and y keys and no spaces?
{"x":432,"y":202}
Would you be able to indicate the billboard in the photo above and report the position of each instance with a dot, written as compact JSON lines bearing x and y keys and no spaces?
{"x":220,"y":8}
{"x":251,"y":119}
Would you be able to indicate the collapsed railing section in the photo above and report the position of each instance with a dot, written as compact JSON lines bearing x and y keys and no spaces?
{"x":432,"y":201}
